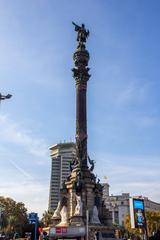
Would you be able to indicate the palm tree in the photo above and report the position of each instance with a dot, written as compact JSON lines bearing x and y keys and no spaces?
{"x":46,"y":218}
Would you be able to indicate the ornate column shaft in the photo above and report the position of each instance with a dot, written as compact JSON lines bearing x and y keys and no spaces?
{"x":81,"y":75}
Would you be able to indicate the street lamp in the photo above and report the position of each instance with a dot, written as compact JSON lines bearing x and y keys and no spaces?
{"x":3,"y":97}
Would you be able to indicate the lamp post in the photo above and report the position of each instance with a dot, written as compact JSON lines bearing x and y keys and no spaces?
{"x":3,"y":97}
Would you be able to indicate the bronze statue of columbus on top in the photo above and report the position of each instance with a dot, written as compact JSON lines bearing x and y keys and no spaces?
{"x":82,"y":34}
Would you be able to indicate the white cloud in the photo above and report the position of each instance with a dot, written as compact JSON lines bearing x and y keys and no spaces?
{"x":135,"y":91}
{"x":12,"y":132}
{"x":138,"y":175}
{"x":16,"y":179}
{"x":22,"y":171}
{"x":148,"y":188}
{"x":33,"y":194}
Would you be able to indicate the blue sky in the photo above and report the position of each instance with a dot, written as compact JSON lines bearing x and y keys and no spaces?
{"x":36,"y":47}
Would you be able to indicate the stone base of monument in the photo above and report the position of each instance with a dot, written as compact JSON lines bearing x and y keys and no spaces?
{"x":67,"y":232}
{"x":77,"y":221}
{"x":101,"y":232}
{"x":61,"y":224}
{"x":55,"y":221}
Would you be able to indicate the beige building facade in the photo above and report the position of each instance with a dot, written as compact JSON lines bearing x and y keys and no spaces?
{"x":118,"y":205}
{"x":61,"y":156}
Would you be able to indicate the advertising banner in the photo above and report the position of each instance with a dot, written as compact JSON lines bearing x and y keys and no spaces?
{"x":137,"y":213}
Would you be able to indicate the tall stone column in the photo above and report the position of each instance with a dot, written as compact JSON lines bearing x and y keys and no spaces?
{"x":81,"y":75}
{"x":81,"y":193}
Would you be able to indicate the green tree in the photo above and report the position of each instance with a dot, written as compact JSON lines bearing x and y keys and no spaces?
{"x":152,"y":219}
{"x":46,"y":218}
{"x":4,"y":221}
{"x":12,"y":224}
{"x":127,"y":225}
{"x":14,"y":216}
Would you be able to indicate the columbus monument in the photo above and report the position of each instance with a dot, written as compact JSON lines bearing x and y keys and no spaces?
{"x":80,"y":212}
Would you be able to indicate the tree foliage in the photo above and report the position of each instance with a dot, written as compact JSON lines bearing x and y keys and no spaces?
{"x":46,"y":218}
{"x":153,"y":223}
{"x":14,"y":215}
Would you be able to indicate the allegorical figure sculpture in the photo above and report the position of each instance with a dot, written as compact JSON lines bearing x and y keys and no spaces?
{"x":56,"y":213}
{"x":78,"y":208}
{"x":95,"y":218}
{"x":82,"y":33}
{"x":92,"y":162}
{"x":64,"y":217}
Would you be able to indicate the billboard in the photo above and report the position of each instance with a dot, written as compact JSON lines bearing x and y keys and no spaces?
{"x":137,"y":213}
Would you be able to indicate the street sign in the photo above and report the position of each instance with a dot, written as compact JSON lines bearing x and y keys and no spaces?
{"x":33,"y":219}
{"x":33,"y":216}
{"x":32,"y":222}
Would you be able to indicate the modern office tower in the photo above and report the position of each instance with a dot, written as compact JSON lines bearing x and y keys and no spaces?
{"x":61,"y":154}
